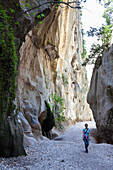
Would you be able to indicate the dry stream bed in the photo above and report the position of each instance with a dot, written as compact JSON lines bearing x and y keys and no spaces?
{"x":64,"y":153}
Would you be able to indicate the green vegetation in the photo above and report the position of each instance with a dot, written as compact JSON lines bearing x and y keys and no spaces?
{"x":11,"y":137}
{"x":8,"y":57}
{"x":84,"y":53}
{"x":65,"y":79}
{"x":104,"y":36}
{"x":8,"y":65}
{"x":57,"y":106}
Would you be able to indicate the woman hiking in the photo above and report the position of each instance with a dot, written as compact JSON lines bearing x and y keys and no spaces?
{"x":86,"y":131}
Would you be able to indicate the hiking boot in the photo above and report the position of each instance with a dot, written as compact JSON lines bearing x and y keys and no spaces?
{"x":86,"y":150}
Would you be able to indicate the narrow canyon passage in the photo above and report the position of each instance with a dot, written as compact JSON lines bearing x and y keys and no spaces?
{"x":64,"y":153}
{"x":44,"y":81}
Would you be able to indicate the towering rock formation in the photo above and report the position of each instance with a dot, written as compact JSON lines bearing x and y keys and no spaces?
{"x":50,"y":61}
{"x":100,"y":96}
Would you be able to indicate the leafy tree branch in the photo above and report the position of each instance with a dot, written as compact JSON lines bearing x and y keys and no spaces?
{"x":69,"y":4}
{"x":104,"y":37}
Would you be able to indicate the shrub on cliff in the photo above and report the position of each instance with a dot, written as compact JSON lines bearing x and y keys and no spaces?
{"x":57,"y":106}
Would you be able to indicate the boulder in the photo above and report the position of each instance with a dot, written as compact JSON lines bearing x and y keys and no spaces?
{"x":11,"y":137}
{"x":25,"y":125}
{"x":31,"y":116}
{"x":34,"y":123}
{"x":29,"y":141}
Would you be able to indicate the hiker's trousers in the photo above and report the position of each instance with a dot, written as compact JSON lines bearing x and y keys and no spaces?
{"x":86,"y":142}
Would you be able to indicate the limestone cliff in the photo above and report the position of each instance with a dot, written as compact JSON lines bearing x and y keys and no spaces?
{"x":100,"y":96}
{"x":50,"y":61}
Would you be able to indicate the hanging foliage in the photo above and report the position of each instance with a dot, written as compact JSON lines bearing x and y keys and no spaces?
{"x":8,"y":65}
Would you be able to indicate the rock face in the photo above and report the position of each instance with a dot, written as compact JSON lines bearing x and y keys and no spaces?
{"x":100,"y":96}
{"x":50,"y":61}
{"x":11,"y":138}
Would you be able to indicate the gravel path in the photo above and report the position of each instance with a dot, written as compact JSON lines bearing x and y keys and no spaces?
{"x":64,"y":153}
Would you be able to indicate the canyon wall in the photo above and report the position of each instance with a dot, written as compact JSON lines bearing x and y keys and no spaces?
{"x":100,"y":96}
{"x":50,"y":62}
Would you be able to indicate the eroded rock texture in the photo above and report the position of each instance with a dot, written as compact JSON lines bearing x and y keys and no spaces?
{"x":32,"y":128}
{"x":11,"y":138}
{"x":50,"y":61}
{"x":100,"y":96}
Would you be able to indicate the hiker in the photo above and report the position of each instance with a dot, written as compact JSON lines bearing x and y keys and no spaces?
{"x":86,"y":131}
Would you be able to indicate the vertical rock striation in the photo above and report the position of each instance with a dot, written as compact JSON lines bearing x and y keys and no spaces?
{"x":100,"y":96}
{"x":50,"y":61}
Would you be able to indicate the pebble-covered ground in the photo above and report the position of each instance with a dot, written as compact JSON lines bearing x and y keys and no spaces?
{"x":64,"y":153}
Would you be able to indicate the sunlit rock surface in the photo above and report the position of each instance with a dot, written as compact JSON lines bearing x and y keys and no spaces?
{"x":100,"y":96}
{"x":50,"y":60}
